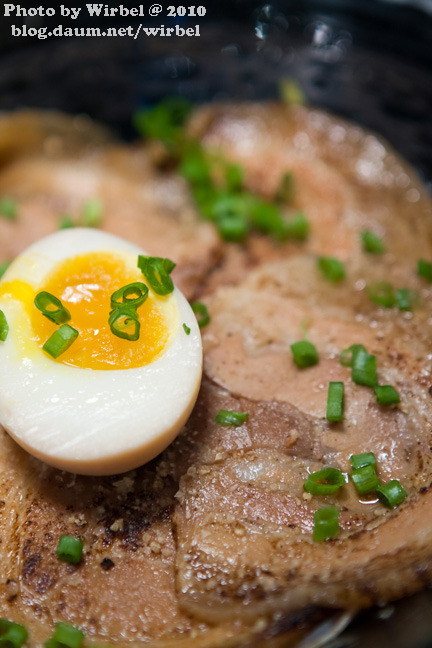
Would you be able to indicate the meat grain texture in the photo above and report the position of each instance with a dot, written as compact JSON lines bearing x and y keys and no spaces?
{"x":211,"y":543}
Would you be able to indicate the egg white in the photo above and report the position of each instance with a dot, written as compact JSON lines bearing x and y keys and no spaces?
{"x":88,"y":421}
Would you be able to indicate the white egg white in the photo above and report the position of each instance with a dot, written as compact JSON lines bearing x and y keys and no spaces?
{"x":92,"y":421}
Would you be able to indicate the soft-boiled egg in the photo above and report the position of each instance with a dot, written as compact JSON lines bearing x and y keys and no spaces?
{"x":105,"y":404}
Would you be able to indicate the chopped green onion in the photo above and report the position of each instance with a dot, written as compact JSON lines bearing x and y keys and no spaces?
{"x":60,"y":340}
{"x":65,"y":636}
{"x":267,"y":218}
{"x":234,"y":177}
{"x":406,"y":299}
{"x":3,"y":267}
{"x":424,"y":269}
{"x":92,"y":213}
{"x":134,"y":294}
{"x":326,"y":524}
{"x":4,"y":327}
{"x":287,"y":189}
{"x":391,"y":494}
{"x":186,"y":329}
{"x":365,"y":479}
{"x":157,"y":270}
{"x":66,"y":222}
{"x":332,"y":269}
{"x":348,"y":355}
{"x":69,"y":549}
{"x":229,"y":206}
{"x":124,"y":323}
{"x":205,"y":197}
{"x":290,"y":92}
{"x":8,"y":208}
{"x":335,"y":401}
{"x":362,"y":460}
{"x":52,"y":308}
{"x":164,"y":121}
{"x":382,"y":293}
{"x":386,"y":395}
{"x":195,"y":167}
{"x":12,"y":635}
{"x":233,"y":229}
{"x":230,"y":215}
{"x":297,"y":227}
{"x":324,"y":482}
{"x":201,"y":313}
{"x":228,"y":417}
{"x":364,"y":369}
{"x":304,"y":353}
{"x":372,"y":243}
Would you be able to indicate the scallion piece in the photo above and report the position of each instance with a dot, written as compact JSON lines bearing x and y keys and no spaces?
{"x":365,"y":479}
{"x":195,"y":167}
{"x":335,"y":401}
{"x":361,"y":460}
{"x":234,"y":177}
{"x":66,"y":222}
{"x":229,"y":417}
{"x":291,"y":92}
{"x":4,"y":327}
{"x":134,"y":294}
{"x":332,"y":269}
{"x":69,"y":549}
{"x":92,"y":212}
{"x":324,"y":482}
{"x":304,"y":353}
{"x":12,"y":635}
{"x":201,"y":313}
{"x":65,"y":636}
{"x":165,"y":120}
{"x":286,"y":189}
{"x":424,"y":269}
{"x":124,"y":323}
{"x":60,"y":340}
{"x":391,"y":494}
{"x":3,"y":267}
{"x":233,"y":229}
{"x":364,"y":369}
{"x":382,"y":293}
{"x":230,"y":206}
{"x":205,"y":196}
{"x":267,"y":218}
{"x":157,"y":272}
{"x":406,"y":299}
{"x":386,"y":395}
{"x":372,"y":243}
{"x":52,"y":308}
{"x":186,"y":329}
{"x":8,"y":208}
{"x":326,"y":523}
{"x":348,"y":355}
{"x":297,"y":227}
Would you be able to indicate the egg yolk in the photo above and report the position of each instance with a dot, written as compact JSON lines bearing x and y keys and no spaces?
{"x":84,"y":284}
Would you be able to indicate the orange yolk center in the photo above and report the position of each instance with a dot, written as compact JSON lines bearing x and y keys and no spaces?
{"x":84,"y":284}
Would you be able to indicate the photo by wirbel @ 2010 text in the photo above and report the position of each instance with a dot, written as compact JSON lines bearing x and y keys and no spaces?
{"x":31,"y":20}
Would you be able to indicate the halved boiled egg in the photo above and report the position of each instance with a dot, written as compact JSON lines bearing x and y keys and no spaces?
{"x":108,"y":402}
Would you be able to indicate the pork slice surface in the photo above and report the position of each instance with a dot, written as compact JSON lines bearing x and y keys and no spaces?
{"x":55,"y":134}
{"x":246,"y":528}
{"x":244,"y":524}
{"x":138,"y":203}
{"x":347,"y":180}
{"x":124,"y":591}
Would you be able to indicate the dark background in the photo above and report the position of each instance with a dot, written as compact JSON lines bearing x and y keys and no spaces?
{"x":366,"y":60}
